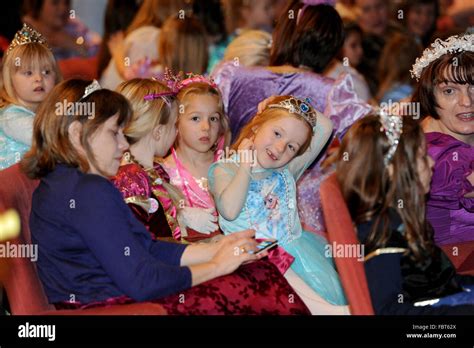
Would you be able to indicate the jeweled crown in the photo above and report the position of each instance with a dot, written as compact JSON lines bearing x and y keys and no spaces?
{"x":25,"y":36}
{"x":439,"y":48}
{"x":302,"y":108}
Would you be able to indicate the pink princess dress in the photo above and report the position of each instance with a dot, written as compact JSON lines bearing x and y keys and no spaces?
{"x":195,"y":191}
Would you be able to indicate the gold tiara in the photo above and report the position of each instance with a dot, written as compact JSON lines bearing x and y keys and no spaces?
{"x":25,"y":36}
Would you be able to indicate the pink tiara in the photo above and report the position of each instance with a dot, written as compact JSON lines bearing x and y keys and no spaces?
{"x":178,"y":82}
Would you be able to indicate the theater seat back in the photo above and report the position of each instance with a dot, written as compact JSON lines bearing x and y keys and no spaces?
{"x":341,"y":232}
{"x":23,"y":288}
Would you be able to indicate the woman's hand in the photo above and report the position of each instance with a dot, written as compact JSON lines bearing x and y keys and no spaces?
{"x":233,"y":250}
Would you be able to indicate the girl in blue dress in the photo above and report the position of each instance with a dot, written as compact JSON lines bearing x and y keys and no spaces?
{"x":29,"y":73}
{"x":255,"y":187}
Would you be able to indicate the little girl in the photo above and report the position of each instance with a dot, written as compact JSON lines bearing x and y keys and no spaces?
{"x":143,"y":183}
{"x":29,"y":72}
{"x":384,"y":173}
{"x":256,"y":188}
{"x":203,"y":131}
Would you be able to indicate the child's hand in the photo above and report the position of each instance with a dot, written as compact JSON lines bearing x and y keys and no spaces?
{"x":199,"y":219}
{"x":245,"y":151}
{"x":263,"y":104}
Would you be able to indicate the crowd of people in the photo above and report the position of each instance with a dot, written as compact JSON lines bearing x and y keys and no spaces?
{"x":210,"y":128}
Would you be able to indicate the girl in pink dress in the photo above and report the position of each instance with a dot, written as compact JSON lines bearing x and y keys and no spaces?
{"x":203,"y":132}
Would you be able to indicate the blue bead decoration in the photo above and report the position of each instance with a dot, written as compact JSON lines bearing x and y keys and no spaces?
{"x":304,"y":107}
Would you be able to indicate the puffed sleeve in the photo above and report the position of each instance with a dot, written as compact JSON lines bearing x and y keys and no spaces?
{"x":454,"y":162}
{"x":343,"y":105}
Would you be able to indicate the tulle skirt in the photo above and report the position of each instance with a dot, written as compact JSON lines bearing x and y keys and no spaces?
{"x":317,"y":270}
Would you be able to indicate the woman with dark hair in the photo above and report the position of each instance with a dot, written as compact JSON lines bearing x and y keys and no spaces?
{"x":445,"y":91}
{"x":305,"y":40}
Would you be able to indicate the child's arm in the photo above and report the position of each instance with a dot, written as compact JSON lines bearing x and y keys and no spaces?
{"x":322,"y":132}
{"x":230,"y":191}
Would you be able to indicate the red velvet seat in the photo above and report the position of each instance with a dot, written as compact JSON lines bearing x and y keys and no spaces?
{"x":24,"y":290}
{"x":341,"y":231}
{"x":79,"y":68}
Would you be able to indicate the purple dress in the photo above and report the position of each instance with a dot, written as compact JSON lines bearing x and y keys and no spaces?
{"x":448,"y":210}
{"x":244,"y":88}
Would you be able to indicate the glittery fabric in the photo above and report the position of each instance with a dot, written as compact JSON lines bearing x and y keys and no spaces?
{"x":243,"y":88}
{"x":132,"y":180}
{"x":11,"y":150}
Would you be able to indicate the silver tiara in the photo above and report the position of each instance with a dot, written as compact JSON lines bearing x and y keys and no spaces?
{"x":299,"y":107}
{"x":439,"y":48}
{"x":392,"y":126}
{"x":94,"y":86}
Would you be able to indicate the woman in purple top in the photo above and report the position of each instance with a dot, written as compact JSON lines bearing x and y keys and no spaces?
{"x":446,"y":94}
{"x":305,"y":40}
{"x":94,"y":252}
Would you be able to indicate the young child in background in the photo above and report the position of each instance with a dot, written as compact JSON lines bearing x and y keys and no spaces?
{"x":398,"y":56}
{"x":242,"y":15}
{"x":203,"y":131}
{"x":256,"y":188}
{"x":29,"y":72}
{"x":348,"y":58}
{"x":384,"y":173}
{"x":183,"y":45}
{"x":151,"y":132}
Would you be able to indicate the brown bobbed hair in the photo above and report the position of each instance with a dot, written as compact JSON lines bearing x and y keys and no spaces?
{"x":51,"y":144}
{"x":269,"y":114}
{"x":369,"y":189}
{"x":457,"y":67}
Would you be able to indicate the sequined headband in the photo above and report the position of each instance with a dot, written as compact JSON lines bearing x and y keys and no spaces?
{"x":26,"y":35}
{"x":178,"y":82}
{"x":299,"y":107}
{"x":392,"y":126}
{"x":439,"y":48}
{"x":163,"y":95}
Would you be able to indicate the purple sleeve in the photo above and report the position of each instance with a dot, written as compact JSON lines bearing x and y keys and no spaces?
{"x":454,"y":162}
{"x":344,"y":106}
{"x":123,"y":247}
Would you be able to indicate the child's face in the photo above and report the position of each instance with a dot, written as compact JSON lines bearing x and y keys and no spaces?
{"x":456,"y":109}
{"x":168,"y":133}
{"x":32,"y":84}
{"x":108,"y":145}
{"x":421,"y":18}
{"x":277,"y":141}
{"x":373,"y":17}
{"x":424,"y":165}
{"x":199,"y":125}
{"x":261,"y":14}
{"x":352,"y":48}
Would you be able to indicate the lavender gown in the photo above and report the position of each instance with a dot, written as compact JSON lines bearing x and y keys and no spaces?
{"x":244,"y":88}
{"x":448,"y":210}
